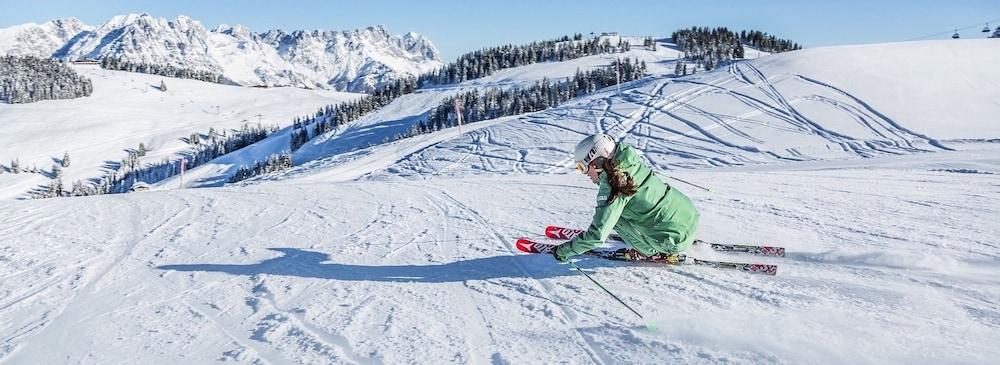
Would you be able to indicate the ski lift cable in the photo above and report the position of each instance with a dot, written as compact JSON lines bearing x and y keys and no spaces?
{"x":952,"y":31}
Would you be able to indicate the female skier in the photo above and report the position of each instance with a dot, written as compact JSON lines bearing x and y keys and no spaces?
{"x":653,"y":218}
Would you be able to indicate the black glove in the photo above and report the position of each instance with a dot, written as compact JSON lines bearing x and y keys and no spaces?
{"x":555,"y":254}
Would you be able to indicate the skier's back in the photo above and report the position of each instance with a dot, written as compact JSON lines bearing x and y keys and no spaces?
{"x":651,"y":216}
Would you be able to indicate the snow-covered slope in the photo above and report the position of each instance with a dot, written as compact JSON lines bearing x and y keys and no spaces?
{"x":798,"y":106}
{"x":356,"y":60}
{"x":806,"y":105}
{"x":127,"y":109}
{"x":891,"y":258}
{"x":346,"y":143}
{"x":408,"y":110}
{"x":884,"y":266}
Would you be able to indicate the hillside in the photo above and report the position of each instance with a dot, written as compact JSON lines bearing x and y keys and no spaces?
{"x":127,"y":109}
{"x":348,"y":142}
{"x":788,"y":108}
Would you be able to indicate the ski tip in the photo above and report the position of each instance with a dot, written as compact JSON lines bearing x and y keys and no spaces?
{"x":554,"y":232}
{"x":525,"y":245}
{"x":561,"y":233}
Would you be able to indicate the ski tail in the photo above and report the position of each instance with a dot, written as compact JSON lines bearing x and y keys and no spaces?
{"x":765,"y":269}
{"x":751,"y":249}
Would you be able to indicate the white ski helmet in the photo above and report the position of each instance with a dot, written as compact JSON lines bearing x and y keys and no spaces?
{"x":592,"y":147}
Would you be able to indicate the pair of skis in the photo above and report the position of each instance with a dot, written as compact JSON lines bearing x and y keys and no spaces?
{"x":560,"y":233}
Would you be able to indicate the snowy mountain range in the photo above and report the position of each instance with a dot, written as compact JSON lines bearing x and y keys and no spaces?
{"x":357,"y":60}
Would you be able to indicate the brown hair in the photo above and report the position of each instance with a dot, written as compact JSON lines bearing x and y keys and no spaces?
{"x":621,"y":183}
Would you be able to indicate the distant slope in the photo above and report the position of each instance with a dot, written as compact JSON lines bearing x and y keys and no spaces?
{"x":945,"y":88}
{"x":127,"y":109}
{"x":798,"y":106}
{"x":814,"y":104}
{"x":397,"y":117}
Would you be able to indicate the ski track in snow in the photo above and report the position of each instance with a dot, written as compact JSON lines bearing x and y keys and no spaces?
{"x":678,"y":126}
{"x":307,"y":279}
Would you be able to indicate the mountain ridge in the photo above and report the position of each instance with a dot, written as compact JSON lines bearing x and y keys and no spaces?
{"x":356,"y":60}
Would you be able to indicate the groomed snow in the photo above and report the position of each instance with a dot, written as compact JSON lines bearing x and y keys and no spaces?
{"x":884,"y":266}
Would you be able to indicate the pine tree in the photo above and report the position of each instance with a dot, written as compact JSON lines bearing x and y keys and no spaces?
{"x":65,"y":159}
{"x":78,"y":189}
{"x":15,"y":166}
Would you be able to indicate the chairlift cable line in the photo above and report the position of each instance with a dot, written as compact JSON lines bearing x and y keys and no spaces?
{"x":950,"y":31}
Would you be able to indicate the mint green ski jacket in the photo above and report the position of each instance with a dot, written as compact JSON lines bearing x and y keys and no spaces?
{"x":657,"y":218}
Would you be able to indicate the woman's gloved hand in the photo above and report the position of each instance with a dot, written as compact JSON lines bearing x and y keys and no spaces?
{"x":555,"y":254}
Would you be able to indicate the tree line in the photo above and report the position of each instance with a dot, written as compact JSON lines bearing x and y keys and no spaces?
{"x":708,"y":47}
{"x":273,"y":163}
{"x":496,"y":102}
{"x":129,"y":170}
{"x":26,"y":79}
{"x":486,"y":61}
{"x":120,"y":64}
{"x":766,"y":42}
{"x":331,"y":116}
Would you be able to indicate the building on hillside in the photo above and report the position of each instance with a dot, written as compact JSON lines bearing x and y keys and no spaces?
{"x":140,"y":186}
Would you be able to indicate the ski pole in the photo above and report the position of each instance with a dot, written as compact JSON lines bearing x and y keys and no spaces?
{"x":605,"y":289}
{"x":695,"y":185}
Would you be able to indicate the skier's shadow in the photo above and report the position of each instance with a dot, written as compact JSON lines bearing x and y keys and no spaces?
{"x":309,"y":264}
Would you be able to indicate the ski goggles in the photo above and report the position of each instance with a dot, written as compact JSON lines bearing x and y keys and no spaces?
{"x":583,"y":167}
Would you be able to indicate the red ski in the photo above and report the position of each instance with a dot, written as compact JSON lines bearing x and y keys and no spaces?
{"x":560,"y":233}
{"x":529,"y":246}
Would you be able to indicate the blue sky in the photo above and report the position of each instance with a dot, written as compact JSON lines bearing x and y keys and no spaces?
{"x":457,"y":27}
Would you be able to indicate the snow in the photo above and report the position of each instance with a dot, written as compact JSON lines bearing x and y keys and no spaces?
{"x":950,"y":78}
{"x":402,"y":252}
{"x":40,"y":40}
{"x":423,"y":271}
{"x":127,"y":109}
{"x":790,"y":107}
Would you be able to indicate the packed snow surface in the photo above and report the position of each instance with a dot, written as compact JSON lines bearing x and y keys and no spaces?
{"x":403,"y":252}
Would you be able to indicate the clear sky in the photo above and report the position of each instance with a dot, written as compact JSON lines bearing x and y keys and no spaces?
{"x":457,"y":26}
